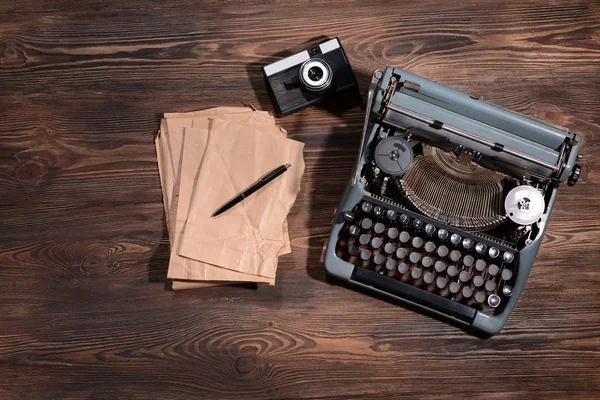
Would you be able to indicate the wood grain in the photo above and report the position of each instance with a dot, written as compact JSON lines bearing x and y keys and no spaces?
{"x":83,"y":247}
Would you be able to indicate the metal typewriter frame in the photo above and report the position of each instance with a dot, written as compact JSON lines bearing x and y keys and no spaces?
{"x":537,"y":159}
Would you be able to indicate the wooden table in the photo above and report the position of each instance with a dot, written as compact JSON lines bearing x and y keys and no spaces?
{"x":84,"y":313}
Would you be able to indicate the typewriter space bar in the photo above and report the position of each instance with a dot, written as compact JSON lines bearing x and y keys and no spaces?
{"x":412,"y":293}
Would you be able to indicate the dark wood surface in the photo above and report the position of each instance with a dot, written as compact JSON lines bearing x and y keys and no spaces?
{"x":84,"y":313}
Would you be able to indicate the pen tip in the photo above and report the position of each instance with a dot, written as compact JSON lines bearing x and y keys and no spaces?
{"x":288,"y":165}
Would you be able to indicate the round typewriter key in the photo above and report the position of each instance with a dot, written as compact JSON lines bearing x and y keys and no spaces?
{"x":391,"y":215}
{"x":455,"y":238}
{"x":427,"y":261}
{"x":376,"y":243}
{"x":404,"y":219}
{"x":454,"y":287}
{"x":366,"y":223}
{"x":480,"y":265}
{"x":455,"y":255}
{"x":493,"y":252}
{"x":440,"y":266}
{"x":440,"y":282}
{"x":379,"y":228}
{"x":365,"y":254}
{"x":428,"y":277}
{"x":378,"y":259}
{"x":364,"y":239}
{"x":467,"y":292}
{"x":480,"y":248}
{"x":418,"y":224}
{"x":506,"y":274}
{"x":348,"y":216}
{"x":452,"y":271}
{"x":443,"y":234}
{"x":429,"y":247}
{"x":400,"y":253}
{"x":468,"y":260}
{"x":508,"y":257}
{"x":417,"y":242}
{"x":493,"y":300}
{"x":416,"y":273}
{"x":377,"y":211}
{"x":389,"y":248}
{"x":507,"y":290}
{"x":403,"y":268}
{"x":490,"y":286}
{"x":480,"y":297}
{"x":354,"y":231}
{"x":429,"y":229}
{"x":390,"y":264}
{"x":442,"y":251}
{"x":404,"y":236}
{"x":414,"y":257}
{"x":353,"y":250}
{"x":366,"y":207}
{"x":464,"y":276}
{"x":478,"y":281}
{"x":392,"y":233}
{"x":493,"y":270}
{"x":467,"y":243}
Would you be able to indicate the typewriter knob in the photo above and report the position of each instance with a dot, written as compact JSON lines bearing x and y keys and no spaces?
{"x":507,"y":290}
{"x":348,"y":216}
{"x":574,"y":175}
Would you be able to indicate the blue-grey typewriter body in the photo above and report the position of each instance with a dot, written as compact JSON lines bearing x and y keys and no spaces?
{"x":449,"y":200}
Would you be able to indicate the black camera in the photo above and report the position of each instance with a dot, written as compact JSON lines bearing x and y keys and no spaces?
{"x":308,"y":77}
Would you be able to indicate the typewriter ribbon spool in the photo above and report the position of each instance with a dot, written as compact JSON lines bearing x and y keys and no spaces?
{"x":524,"y":205}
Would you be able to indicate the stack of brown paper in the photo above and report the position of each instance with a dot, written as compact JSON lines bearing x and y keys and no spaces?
{"x":207,"y":157}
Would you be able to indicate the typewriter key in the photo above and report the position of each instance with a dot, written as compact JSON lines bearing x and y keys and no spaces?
{"x":440,"y":266}
{"x":455,"y":255}
{"x":353,"y":250}
{"x":443,"y":234}
{"x":366,"y":207}
{"x":392,"y":233}
{"x":403,"y":268}
{"x":391,"y":215}
{"x":454,"y":287}
{"x":452,"y":271}
{"x":480,"y":297}
{"x":493,"y":252}
{"x":455,"y":238}
{"x":429,"y":229}
{"x":364,"y":239}
{"x":507,"y":290}
{"x":468,"y":260}
{"x":400,"y":253}
{"x":416,"y":273}
{"x":428,"y":277}
{"x":464,"y":276}
{"x":376,"y":243}
{"x":478,"y":281}
{"x":377,"y":211}
{"x":480,"y":248}
{"x":390,"y":264}
{"x":417,"y":242}
{"x":379,"y":228}
{"x":493,"y":270}
{"x":404,"y":219}
{"x":490,"y":286}
{"x":440,"y":282}
{"x":414,"y":257}
{"x":442,"y":251}
{"x":429,"y":247}
{"x":404,"y":236}
{"x":467,"y":243}
{"x":493,"y":300}
{"x":467,"y":292}
{"x":427,"y":261}
{"x":354,"y":231}
{"x":348,"y":216}
{"x":480,"y":265}
{"x":378,"y":259}
{"x":508,"y":257}
{"x":365,"y":254}
{"x":366,"y":223}
{"x":418,"y":224}
{"x":506,"y":274}
{"x":389,"y":248}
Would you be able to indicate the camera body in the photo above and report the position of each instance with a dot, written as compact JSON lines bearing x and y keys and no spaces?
{"x":306,"y":78}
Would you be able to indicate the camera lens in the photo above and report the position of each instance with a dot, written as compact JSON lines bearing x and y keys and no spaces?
{"x":315,"y":75}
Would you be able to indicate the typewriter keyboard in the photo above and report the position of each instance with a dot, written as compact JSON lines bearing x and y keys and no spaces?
{"x":465,"y":270}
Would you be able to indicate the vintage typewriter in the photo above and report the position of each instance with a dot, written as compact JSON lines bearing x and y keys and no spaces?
{"x":448,"y":203}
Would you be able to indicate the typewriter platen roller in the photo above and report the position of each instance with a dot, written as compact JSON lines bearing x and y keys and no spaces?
{"x":449,"y":200}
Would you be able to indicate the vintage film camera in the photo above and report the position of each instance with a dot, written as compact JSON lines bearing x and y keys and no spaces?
{"x":306,"y":78}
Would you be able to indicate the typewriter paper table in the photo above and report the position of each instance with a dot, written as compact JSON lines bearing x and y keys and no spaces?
{"x":84,"y":252}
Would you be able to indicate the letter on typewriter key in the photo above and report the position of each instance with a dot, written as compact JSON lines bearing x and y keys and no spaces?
{"x":493,"y":270}
{"x":389,"y":248}
{"x":454,"y":287}
{"x":478,"y":280}
{"x":404,"y":237}
{"x":506,"y":274}
{"x":403,"y":268}
{"x":480,"y":297}
{"x":455,"y":238}
{"x":379,"y":228}
{"x":365,"y":254}
{"x":392,"y":233}
{"x":480,"y":265}
{"x":348,"y":216}
{"x":429,"y":247}
{"x":366,"y":223}
{"x":376,"y":243}
{"x":429,"y":229}
{"x":443,"y":251}
{"x":391,"y":215}
{"x":366,"y":207}
{"x":455,"y":255}
{"x":417,"y":242}
{"x":480,"y":248}
{"x":378,"y":259}
{"x":404,"y":219}
{"x":353,"y":250}
{"x":440,"y":266}
{"x":467,"y":243}
{"x":442,"y":234}
{"x":364,"y":239}
{"x":418,"y":224}
{"x":440,"y":282}
{"x":390,"y":264}
{"x":354,"y":231}
{"x":400,"y":253}
{"x":377,"y":211}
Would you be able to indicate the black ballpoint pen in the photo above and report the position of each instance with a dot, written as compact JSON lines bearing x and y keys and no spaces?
{"x":268,"y":177}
